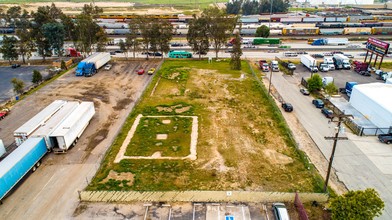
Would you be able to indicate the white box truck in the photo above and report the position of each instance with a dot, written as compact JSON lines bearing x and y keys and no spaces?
{"x":327,"y":80}
{"x":309,"y":62}
{"x":329,"y":62}
{"x":69,"y":131}
{"x":341,"y":61}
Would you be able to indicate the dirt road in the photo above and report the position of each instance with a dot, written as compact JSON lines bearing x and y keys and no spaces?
{"x":52,"y":191}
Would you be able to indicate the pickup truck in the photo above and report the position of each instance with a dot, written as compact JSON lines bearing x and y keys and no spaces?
{"x":264,"y":66}
{"x":4,"y":113}
{"x":385,"y":138}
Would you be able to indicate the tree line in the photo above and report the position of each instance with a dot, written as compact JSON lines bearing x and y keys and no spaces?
{"x":45,"y":31}
{"x":252,"y":7}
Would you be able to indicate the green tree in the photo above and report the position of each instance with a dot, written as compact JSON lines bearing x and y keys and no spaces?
{"x":361,"y":204}
{"x":102,"y":40}
{"x":12,"y":14}
{"x":63,"y":65}
{"x":91,"y":10}
{"x":315,"y":83}
{"x":263,"y":31}
{"x":86,"y":33}
{"x":123,"y":48}
{"x":18,"y":85}
{"x":43,"y":15}
{"x":235,"y":61}
{"x":131,"y":40}
{"x":8,"y":48}
{"x":25,"y":43}
{"x":37,"y":77}
{"x":220,"y":27}
{"x":198,"y":35}
{"x":54,"y":33}
{"x":331,"y":89}
{"x":165,"y":34}
{"x":233,"y":7}
{"x":250,"y":7}
{"x":145,"y":27}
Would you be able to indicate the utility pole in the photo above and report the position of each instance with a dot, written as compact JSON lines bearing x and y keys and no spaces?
{"x":335,"y":139}
{"x":270,"y":79}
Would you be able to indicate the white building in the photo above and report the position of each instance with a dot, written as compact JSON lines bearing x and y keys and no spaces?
{"x":337,"y":2}
{"x":374,"y":101}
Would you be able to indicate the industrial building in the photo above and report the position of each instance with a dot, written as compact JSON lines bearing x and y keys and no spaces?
{"x":374,"y":102}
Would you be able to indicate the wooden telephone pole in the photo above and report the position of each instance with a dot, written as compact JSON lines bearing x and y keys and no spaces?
{"x":335,"y":139}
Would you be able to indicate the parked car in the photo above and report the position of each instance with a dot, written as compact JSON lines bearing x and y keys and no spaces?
{"x":318,"y":103}
{"x":108,"y":66}
{"x":280,"y":211}
{"x":328,"y":54}
{"x":15,"y":65}
{"x":302,"y":52}
{"x":140,"y":71}
{"x":336,"y":52}
{"x":353,"y":46}
{"x":291,"y":66}
{"x":364,"y":73}
{"x":304,"y":91}
{"x":327,"y":112}
{"x":273,"y":51}
{"x":317,"y":55}
{"x":287,"y":107}
{"x":119,"y":51}
{"x":385,"y":138}
{"x":151,"y":71}
{"x":112,"y":53}
{"x":349,"y":56}
{"x":157,"y":54}
{"x":4,"y":113}
{"x":362,"y":54}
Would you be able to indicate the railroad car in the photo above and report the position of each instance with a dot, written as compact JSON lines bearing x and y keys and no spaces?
{"x":362,"y":31}
{"x":382,"y":30}
{"x":332,"y":31}
{"x":300,"y":31}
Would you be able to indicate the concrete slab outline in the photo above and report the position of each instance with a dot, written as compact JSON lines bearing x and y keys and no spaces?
{"x":194,"y":136}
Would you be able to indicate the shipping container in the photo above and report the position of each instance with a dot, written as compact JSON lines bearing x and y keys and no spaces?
{"x":113,"y":25}
{"x":249,"y":20}
{"x":18,"y":163}
{"x":51,"y":124}
{"x":24,"y":131}
{"x":275,"y":32}
{"x":69,"y":131}
{"x":363,"y":31}
{"x":251,"y":32}
{"x":371,"y":100}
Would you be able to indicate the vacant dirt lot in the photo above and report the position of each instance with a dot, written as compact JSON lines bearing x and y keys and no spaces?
{"x":56,"y":182}
{"x":242,"y":142}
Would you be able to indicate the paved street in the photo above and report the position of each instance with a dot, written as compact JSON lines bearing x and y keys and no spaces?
{"x":352,"y":164}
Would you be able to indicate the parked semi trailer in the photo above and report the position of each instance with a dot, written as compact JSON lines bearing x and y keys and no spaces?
{"x":330,"y":41}
{"x":52,"y":123}
{"x":69,"y":131}
{"x":27,"y":157}
{"x":95,"y":63}
{"x":24,"y":131}
{"x":309,"y":62}
{"x":91,"y":64}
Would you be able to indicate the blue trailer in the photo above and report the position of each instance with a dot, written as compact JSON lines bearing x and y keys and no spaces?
{"x":17,"y":164}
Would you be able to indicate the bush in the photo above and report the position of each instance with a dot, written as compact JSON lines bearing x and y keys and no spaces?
{"x":315,"y":83}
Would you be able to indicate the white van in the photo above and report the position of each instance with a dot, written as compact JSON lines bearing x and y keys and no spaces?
{"x":275,"y":66}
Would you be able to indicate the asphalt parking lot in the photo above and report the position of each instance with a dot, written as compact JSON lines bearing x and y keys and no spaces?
{"x":340,"y":76}
{"x":24,"y":73}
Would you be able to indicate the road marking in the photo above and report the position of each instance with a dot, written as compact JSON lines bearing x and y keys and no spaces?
{"x":43,"y":187}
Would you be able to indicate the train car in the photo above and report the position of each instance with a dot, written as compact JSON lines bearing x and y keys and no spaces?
{"x":109,"y":31}
{"x":354,"y":25}
{"x":275,"y":32}
{"x":358,"y":18}
{"x":247,"y":20}
{"x":181,"y":31}
{"x":113,"y":25}
{"x":300,"y":31}
{"x":299,"y":25}
{"x":330,"y":25}
{"x":382,"y":30}
{"x":386,"y":24}
{"x":372,"y":24}
{"x":384,"y":18}
{"x":313,"y":19}
{"x":331,"y":31}
{"x":251,"y":32}
{"x":362,"y":30}
{"x":291,"y":20}
{"x":121,"y":31}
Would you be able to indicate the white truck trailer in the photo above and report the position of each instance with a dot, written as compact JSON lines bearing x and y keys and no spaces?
{"x":69,"y":131}
{"x":51,"y":124}
{"x":341,"y":61}
{"x":24,"y":131}
{"x":309,"y":62}
{"x":95,"y":63}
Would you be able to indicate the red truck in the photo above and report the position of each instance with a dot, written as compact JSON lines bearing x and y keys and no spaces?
{"x":4,"y":113}
{"x":264,"y":66}
{"x":72,"y":52}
